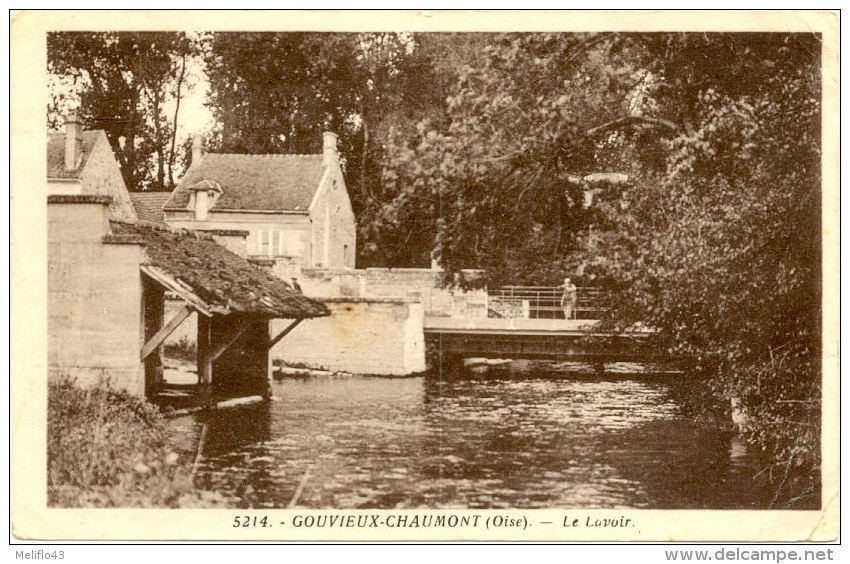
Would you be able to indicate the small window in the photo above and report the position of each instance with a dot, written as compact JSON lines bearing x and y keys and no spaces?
{"x":264,"y":242}
{"x":289,"y":243}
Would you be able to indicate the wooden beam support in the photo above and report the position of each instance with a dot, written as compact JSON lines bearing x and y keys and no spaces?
{"x":284,"y":333}
{"x":179,"y":288}
{"x":241,"y":327}
{"x":204,"y":362}
{"x":165,"y":331}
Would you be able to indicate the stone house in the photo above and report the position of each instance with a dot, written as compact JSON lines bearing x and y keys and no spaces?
{"x":109,"y":270}
{"x":82,"y":163}
{"x":106,"y":303}
{"x":295,"y":208}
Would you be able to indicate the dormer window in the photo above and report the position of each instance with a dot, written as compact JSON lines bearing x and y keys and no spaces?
{"x":202,"y":197}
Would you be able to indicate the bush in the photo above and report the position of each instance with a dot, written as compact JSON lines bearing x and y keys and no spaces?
{"x":183,"y":349}
{"x":106,"y":448}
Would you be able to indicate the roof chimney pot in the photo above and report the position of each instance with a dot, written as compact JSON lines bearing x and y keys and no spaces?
{"x":198,"y":151}
{"x":330,"y":153}
{"x":73,"y":141}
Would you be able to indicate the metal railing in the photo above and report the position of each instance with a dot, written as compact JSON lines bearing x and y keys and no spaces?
{"x":544,"y":302}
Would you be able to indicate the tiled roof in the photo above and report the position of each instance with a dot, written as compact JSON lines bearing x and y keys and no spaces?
{"x":56,"y":154}
{"x":255,"y":182}
{"x":149,"y":205}
{"x":221,"y":279}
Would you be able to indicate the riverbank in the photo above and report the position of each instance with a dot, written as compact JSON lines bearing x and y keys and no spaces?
{"x":109,"y":449}
{"x":794,"y":480}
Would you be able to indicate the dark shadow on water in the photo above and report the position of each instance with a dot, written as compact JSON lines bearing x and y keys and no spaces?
{"x":233,"y":428}
{"x":540,"y":440}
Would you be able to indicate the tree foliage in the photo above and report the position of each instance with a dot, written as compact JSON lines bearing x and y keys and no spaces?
{"x":123,"y":83}
{"x":277,"y":92}
{"x":715,"y":241}
{"x":493,"y":168}
{"x":475,"y":149}
{"x":721,"y":251}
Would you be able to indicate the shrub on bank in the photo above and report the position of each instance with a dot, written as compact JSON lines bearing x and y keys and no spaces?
{"x":106,"y":448}
{"x":183,"y":349}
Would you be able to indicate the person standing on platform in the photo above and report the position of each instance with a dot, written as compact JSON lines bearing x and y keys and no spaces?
{"x":568,"y":298}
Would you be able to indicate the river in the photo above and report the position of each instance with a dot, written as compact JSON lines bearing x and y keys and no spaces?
{"x":524,"y":438}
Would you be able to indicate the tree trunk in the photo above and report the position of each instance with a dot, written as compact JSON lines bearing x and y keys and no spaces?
{"x":364,"y":190}
{"x":160,"y":153}
{"x":174,"y":132}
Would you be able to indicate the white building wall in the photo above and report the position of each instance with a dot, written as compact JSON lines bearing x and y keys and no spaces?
{"x":272,"y":235}
{"x":334,"y":232}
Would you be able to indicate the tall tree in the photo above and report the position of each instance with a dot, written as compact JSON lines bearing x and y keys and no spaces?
{"x":494,"y":167}
{"x":262,"y":92}
{"x":715,"y":241}
{"x":721,"y":250}
{"x":276,"y":92}
{"x":126,"y":82}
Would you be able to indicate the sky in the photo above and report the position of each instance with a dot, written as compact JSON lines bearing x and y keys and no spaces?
{"x":194,"y":116}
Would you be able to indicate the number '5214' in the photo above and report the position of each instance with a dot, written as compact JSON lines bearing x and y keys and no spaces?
{"x":251,"y":521}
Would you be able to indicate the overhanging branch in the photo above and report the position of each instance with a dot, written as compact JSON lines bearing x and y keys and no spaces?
{"x":633,"y":120}
{"x":599,"y":129}
{"x":584,"y":46}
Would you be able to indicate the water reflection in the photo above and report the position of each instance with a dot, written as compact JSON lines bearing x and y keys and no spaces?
{"x":503,"y":441}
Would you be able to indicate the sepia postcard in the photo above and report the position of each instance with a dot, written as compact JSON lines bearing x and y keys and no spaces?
{"x":424,"y":276}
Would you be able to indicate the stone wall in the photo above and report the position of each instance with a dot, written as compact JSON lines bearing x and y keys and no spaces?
{"x":376,"y":321}
{"x":448,"y":302}
{"x":94,"y":296}
{"x":507,"y":307}
{"x":396,"y":283}
{"x":363,"y":336}
{"x":369,"y":282}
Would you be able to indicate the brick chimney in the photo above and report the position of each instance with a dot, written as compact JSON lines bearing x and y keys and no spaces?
{"x":198,"y":151}
{"x":330,"y":154}
{"x":73,"y":141}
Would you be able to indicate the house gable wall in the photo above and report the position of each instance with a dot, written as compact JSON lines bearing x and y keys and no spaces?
{"x":102,"y":176}
{"x":333,"y":229}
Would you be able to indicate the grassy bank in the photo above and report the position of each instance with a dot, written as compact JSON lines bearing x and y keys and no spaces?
{"x":106,"y":448}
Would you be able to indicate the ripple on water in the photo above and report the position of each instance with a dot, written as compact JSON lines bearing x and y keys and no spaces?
{"x":482,"y":443}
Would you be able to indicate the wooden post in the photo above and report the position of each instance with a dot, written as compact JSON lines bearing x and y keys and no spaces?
{"x":153,"y":316}
{"x":205,"y":360}
{"x":155,"y":342}
{"x":268,"y":346}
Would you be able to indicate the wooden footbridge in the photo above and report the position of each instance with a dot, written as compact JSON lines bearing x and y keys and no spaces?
{"x":451,"y":339}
